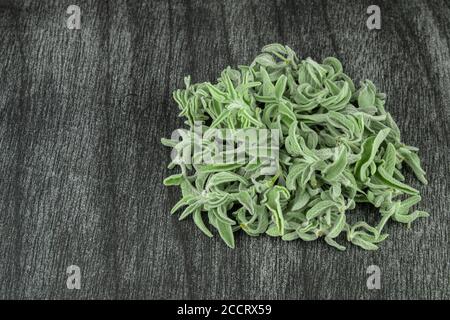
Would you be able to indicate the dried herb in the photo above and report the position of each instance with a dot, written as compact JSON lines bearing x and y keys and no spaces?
{"x":338,"y":147}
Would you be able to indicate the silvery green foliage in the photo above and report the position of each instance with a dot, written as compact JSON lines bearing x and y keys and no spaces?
{"x":338,"y":147}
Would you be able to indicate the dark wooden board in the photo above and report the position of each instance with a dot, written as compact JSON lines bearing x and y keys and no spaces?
{"x":81,"y":166}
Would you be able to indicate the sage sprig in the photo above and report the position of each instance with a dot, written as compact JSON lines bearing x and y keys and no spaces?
{"x":338,"y":147}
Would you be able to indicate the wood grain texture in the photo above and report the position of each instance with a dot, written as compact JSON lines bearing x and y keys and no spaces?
{"x":81,"y":166}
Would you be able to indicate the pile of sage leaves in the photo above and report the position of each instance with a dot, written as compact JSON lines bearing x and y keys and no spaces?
{"x":338,"y":147}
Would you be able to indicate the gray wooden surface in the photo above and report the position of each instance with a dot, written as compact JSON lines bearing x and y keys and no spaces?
{"x":82,"y":112}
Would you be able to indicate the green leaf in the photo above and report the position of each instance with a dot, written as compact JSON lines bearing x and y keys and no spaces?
{"x":274,"y":48}
{"x":200,"y":224}
{"x":338,"y":226}
{"x":221,"y":118}
{"x":246,"y":200}
{"x":216,"y":93}
{"x":408,"y":218}
{"x":393,"y":183}
{"x":225,"y":177}
{"x":221,"y":215}
{"x":265,"y":59}
{"x":366,"y":97}
{"x":301,"y":199}
{"x":173,"y":180}
{"x":191,"y":208}
{"x":295,"y":171}
{"x":413,"y":162}
{"x":273,"y":198}
{"x":226,"y":233}
{"x":181,"y":203}
{"x":290,"y":236}
{"x":364,"y":244}
{"x":334,"y":170}
{"x":268,"y":87}
{"x":319,"y":209}
{"x":369,"y":150}
{"x":280,"y":86}
{"x":273,"y":231}
{"x":333,"y":243}
{"x":390,"y":159}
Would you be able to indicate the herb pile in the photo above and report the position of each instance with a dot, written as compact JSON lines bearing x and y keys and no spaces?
{"x":338,"y":147}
